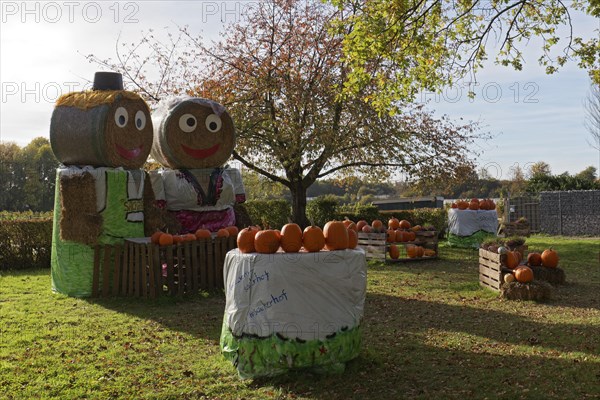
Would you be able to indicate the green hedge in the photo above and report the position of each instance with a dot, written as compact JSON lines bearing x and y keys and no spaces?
{"x":322,"y":209}
{"x":25,"y":243}
{"x":274,"y":213}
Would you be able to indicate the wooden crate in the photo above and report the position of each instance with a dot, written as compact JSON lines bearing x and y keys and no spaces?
{"x":139,"y":268}
{"x":374,"y":245}
{"x":491,"y":269}
{"x":426,"y":239}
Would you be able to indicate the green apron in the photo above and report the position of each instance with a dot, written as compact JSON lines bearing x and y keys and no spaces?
{"x":72,"y":263}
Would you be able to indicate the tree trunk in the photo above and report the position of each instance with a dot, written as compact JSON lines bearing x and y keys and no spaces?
{"x":299,"y":204}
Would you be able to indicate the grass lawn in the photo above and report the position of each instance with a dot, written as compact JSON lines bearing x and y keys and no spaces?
{"x":430,"y":332}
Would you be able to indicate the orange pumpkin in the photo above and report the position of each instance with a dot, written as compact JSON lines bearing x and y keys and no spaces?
{"x":401,"y":236}
{"x":177,"y":239}
{"x":222,"y":233}
{"x":534,"y":259}
{"x":474,"y":205}
{"x":404,"y":224}
{"x":352,"y":239}
{"x":189,"y":237}
{"x":416,"y":228}
{"x":313,"y":238}
{"x":291,"y":238}
{"x":233,"y":230}
{"x":155,"y":236}
{"x":266,"y":241}
{"x":203,"y":234}
{"x":512,"y":259}
{"x":462,"y":205}
{"x":394,"y":252}
{"x":245,"y":240}
{"x":350,"y":224}
{"x":410,"y":236}
{"x":165,"y":239}
{"x":411,"y":250}
{"x":393,"y":223}
{"x":550,"y":258}
{"x":367,"y":229}
{"x":524,"y":274}
{"x":336,"y":235}
{"x":377,"y":225}
{"x":391,"y":236}
{"x":360,"y":224}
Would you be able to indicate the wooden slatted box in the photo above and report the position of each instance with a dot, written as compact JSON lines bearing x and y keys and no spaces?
{"x":374,"y":245}
{"x":141,"y":269}
{"x":490,"y":269}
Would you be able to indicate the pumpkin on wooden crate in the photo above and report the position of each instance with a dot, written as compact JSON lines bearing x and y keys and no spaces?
{"x":414,"y":251}
{"x":313,"y":238}
{"x":390,"y":236}
{"x":377,"y":225}
{"x":393,"y":223}
{"x":394,"y":252}
{"x":291,"y":238}
{"x":512,"y":259}
{"x":404,"y":224}
{"x":550,"y":258}
{"x":360,"y":224}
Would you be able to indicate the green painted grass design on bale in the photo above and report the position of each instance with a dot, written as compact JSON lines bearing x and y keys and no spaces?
{"x":275,"y":355}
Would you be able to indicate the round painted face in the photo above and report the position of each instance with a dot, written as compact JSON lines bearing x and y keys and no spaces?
{"x":196,"y":136}
{"x":128,"y":133}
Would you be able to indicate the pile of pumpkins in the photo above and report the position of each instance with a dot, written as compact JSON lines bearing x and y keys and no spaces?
{"x":166,"y":239}
{"x":522,"y":273}
{"x":335,"y":235}
{"x":403,"y":231}
{"x":475,"y":204}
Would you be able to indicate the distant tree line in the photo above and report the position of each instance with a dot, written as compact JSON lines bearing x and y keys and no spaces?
{"x":27,"y":181}
{"x":27,"y":176}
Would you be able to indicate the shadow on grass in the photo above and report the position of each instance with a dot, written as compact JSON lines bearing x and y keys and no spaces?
{"x":421,"y":349}
{"x":199,"y":315}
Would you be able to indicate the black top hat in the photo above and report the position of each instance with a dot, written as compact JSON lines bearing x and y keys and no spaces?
{"x":108,"y":81}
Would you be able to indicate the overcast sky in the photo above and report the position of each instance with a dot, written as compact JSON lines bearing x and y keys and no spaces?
{"x":533,"y":117}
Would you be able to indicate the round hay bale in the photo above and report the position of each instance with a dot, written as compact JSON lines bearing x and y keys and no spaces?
{"x":192,"y":133}
{"x":103,"y":129}
{"x":535,"y":290}
{"x":556,"y":276}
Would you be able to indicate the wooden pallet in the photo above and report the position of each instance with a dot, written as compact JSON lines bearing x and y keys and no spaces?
{"x":139,"y":268}
{"x":490,"y":269}
{"x":374,"y":245}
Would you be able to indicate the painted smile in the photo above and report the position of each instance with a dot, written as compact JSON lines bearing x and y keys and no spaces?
{"x":201,"y":153}
{"x":129,"y":154}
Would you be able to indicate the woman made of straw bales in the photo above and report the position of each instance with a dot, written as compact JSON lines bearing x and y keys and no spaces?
{"x":193,"y":139}
{"x":102,"y":137}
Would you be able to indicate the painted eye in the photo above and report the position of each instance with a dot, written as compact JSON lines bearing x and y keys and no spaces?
{"x":140,"y":120}
{"x":213,"y":123}
{"x":121,"y":117}
{"x":187,"y":123}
